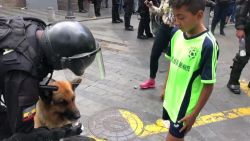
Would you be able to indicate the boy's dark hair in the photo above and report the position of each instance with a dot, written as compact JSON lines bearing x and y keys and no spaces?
{"x":193,"y":6}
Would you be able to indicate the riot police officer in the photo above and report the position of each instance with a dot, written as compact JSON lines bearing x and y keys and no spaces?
{"x":242,"y":26}
{"x":29,"y":51}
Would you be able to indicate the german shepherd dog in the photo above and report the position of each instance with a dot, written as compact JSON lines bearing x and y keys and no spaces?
{"x":55,"y":109}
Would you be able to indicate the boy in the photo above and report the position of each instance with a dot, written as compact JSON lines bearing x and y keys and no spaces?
{"x":193,"y":54}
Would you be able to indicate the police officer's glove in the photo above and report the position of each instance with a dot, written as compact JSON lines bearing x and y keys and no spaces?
{"x":45,"y":134}
{"x":72,"y":130}
{"x":39,"y":134}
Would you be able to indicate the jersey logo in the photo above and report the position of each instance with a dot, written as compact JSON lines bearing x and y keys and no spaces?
{"x":192,"y":52}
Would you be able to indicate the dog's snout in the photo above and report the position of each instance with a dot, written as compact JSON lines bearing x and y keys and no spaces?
{"x":72,"y":115}
{"x":76,"y":115}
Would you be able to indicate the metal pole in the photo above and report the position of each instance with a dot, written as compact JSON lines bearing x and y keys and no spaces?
{"x":70,"y":14}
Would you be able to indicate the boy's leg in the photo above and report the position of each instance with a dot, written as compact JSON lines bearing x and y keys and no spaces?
{"x":172,"y":138}
{"x":173,"y":134}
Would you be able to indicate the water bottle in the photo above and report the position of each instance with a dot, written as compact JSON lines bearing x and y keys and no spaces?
{"x":242,"y":48}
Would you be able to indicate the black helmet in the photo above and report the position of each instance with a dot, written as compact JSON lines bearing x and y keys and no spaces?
{"x":69,"y":45}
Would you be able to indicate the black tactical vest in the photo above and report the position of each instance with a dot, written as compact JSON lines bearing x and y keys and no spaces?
{"x":19,"y":49}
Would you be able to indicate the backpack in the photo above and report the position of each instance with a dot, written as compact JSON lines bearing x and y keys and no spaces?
{"x":17,"y":34}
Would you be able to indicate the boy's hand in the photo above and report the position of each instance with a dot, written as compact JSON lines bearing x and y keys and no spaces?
{"x":188,"y":122}
{"x":148,"y":3}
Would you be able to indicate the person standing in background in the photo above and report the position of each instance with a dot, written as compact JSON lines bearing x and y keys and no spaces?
{"x":128,"y":9}
{"x":115,"y":12}
{"x":161,"y":40}
{"x":97,"y":6}
{"x":80,"y":6}
{"x":242,"y":26}
{"x":220,"y":13}
{"x":143,"y":10}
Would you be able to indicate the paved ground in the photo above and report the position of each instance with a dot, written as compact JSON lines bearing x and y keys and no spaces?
{"x":115,"y":110}
{"x":128,"y":65}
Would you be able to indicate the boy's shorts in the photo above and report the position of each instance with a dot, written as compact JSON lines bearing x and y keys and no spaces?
{"x":174,"y":127}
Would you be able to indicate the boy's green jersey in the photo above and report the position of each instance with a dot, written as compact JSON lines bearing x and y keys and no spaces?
{"x":192,"y":64}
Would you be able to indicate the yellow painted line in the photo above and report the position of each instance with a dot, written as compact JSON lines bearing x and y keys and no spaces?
{"x":244,"y":87}
{"x":158,"y":127}
{"x":96,"y":139}
{"x":155,"y":128}
{"x":134,"y":121}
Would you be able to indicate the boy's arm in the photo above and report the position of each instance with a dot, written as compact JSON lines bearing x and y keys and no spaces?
{"x":190,"y":119}
{"x":165,"y":84}
{"x":205,"y":94}
{"x":208,"y":63}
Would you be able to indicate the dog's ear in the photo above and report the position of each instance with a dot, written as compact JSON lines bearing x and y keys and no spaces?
{"x":75,"y":83}
{"x":46,"y":96}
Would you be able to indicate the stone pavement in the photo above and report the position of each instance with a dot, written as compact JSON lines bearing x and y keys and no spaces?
{"x":127,"y":64}
{"x":116,"y":110}
{"x":44,"y":14}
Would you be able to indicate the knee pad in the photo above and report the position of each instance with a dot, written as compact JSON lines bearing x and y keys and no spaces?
{"x":240,"y":61}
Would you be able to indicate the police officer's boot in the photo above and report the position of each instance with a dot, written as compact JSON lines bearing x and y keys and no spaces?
{"x":238,"y":65}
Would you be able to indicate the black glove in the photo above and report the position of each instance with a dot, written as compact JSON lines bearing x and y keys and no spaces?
{"x":72,"y":130}
{"x":79,"y":138}
{"x":45,"y":134}
{"x":39,"y":134}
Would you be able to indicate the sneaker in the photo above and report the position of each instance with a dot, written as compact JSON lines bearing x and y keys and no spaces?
{"x":234,"y":88}
{"x":148,"y":84}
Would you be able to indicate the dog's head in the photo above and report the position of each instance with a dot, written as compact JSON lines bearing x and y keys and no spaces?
{"x":62,"y":101}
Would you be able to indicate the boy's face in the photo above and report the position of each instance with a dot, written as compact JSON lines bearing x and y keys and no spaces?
{"x":186,"y":20}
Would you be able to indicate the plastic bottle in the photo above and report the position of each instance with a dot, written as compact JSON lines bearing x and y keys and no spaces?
{"x":242,"y":48}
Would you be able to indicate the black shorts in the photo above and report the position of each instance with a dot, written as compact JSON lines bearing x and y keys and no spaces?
{"x":174,"y":128}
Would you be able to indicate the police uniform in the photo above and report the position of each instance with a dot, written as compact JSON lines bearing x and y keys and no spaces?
{"x":239,"y":62}
{"x":20,"y":74}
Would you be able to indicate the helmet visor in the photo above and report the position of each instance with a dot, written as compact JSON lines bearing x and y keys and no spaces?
{"x":78,"y":63}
